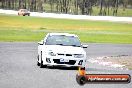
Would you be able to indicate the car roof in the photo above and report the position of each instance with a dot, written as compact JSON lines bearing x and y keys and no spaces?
{"x":65,"y":34}
{"x":22,"y":9}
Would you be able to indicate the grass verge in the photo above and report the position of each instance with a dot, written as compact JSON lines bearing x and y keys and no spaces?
{"x":18,"y":28}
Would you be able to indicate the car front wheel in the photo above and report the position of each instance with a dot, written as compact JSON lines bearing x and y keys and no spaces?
{"x":38,"y":61}
{"x":41,"y":63}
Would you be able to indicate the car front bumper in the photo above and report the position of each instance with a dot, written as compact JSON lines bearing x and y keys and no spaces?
{"x":67,"y":61}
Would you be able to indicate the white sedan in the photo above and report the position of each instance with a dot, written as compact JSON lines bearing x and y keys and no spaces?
{"x":61,"y":49}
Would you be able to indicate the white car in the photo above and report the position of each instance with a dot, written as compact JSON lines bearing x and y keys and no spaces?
{"x":23,"y":12}
{"x":61,"y":49}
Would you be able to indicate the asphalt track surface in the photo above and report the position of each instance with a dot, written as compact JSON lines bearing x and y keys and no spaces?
{"x":18,"y":67}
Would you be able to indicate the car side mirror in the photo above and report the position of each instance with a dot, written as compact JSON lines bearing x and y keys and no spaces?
{"x":41,"y":42}
{"x":84,"y":46}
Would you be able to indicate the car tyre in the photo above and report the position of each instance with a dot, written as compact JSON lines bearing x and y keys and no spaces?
{"x":41,"y":63}
{"x":42,"y":66}
{"x":38,"y":64}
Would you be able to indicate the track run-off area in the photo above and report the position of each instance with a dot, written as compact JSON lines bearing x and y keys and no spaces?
{"x":18,"y":67}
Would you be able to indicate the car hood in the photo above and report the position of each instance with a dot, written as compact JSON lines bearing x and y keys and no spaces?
{"x":64,"y":49}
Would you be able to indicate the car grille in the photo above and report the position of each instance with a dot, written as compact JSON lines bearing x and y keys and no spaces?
{"x":60,"y":54}
{"x":71,"y":62}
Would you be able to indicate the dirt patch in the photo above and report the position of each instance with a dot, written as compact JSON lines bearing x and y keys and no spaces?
{"x":122,"y":60}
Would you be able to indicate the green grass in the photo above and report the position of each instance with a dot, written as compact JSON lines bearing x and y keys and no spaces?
{"x":18,"y":28}
{"x":120,"y":12}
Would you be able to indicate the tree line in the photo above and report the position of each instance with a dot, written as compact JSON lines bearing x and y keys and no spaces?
{"x":84,"y":7}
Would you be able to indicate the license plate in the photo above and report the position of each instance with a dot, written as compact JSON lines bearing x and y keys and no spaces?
{"x":64,"y":60}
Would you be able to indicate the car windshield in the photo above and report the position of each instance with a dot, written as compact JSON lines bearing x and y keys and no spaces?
{"x":24,"y":10}
{"x":63,"y":40}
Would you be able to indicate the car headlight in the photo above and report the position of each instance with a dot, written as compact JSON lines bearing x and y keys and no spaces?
{"x":78,"y":55}
{"x":52,"y":54}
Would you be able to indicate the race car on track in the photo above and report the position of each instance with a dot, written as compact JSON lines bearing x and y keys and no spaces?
{"x":23,"y":12}
{"x":61,"y":49}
